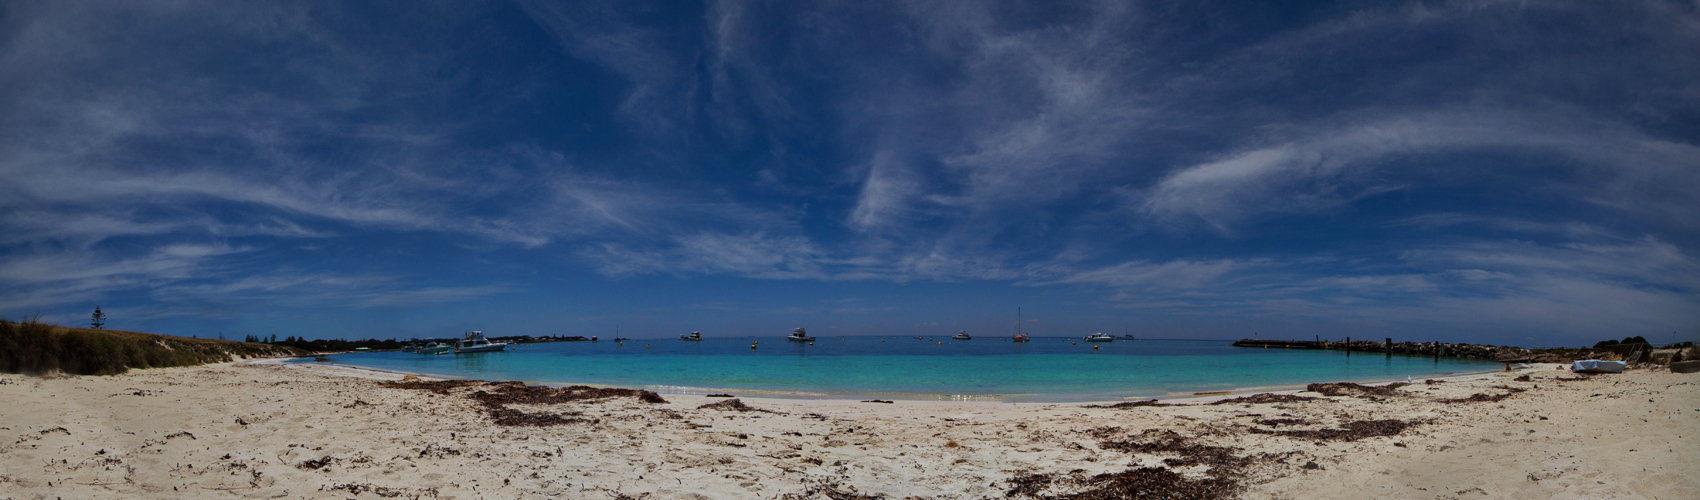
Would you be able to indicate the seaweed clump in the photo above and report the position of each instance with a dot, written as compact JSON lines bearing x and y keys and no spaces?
{"x":1270,"y":398}
{"x":732,"y":405}
{"x":1223,"y":478}
{"x":518,"y":393}
{"x":1486,"y":398}
{"x":502,"y":394}
{"x":1350,"y":431}
{"x":1136,"y":404}
{"x":1357,"y":390}
{"x":435,"y":386}
{"x":829,"y":490}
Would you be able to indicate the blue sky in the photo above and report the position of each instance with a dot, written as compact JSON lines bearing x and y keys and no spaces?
{"x":1504,"y":172}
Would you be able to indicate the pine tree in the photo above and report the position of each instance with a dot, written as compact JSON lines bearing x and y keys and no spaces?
{"x":99,"y":318}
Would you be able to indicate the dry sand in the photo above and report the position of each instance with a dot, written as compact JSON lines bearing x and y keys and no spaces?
{"x":314,"y":431}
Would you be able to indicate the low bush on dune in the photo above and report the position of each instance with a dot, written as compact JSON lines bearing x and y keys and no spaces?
{"x":39,"y":348}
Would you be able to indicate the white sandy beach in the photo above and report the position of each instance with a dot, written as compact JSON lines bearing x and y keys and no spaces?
{"x":263,"y":430}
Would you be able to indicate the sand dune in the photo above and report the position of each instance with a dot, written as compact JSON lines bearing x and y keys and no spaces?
{"x":313,"y":431}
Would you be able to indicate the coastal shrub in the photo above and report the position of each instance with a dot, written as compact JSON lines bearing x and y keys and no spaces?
{"x":33,"y":347}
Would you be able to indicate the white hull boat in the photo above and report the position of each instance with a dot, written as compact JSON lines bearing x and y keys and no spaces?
{"x":475,"y":342}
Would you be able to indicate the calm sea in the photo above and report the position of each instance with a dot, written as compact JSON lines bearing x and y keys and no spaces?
{"x":1046,"y":369}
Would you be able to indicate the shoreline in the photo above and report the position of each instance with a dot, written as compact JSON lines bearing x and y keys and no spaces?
{"x":673,"y":390}
{"x":266,"y":429}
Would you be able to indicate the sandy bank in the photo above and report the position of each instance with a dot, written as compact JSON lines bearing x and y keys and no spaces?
{"x":264,"y":430}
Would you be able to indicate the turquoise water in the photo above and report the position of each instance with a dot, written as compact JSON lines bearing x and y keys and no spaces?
{"x":1046,"y":369}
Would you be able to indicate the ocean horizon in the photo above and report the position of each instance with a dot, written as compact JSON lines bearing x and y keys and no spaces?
{"x":1047,"y":369}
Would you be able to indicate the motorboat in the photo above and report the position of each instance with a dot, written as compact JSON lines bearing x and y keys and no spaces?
{"x":435,"y":348}
{"x":962,"y":335}
{"x":475,"y":342}
{"x":1099,"y":337}
{"x":1018,"y":336}
{"x":693,"y":337}
{"x":799,"y":335}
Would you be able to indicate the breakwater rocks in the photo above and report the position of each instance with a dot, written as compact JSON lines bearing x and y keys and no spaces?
{"x":1470,"y":351}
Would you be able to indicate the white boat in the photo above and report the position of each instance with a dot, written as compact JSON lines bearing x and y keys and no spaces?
{"x":962,"y":335}
{"x":435,"y":348}
{"x":799,"y":335}
{"x":693,"y":337}
{"x":475,"y":342}
{"x":1018,"y":336}
{"x":1099,"y":337}
{"x":1597,"y":366}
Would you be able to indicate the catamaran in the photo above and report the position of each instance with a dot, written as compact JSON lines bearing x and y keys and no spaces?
{"x":475,"y":342}
{"x":799,"y":335}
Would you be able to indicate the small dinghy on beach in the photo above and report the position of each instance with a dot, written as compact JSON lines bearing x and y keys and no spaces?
{"x":1597,"y":366}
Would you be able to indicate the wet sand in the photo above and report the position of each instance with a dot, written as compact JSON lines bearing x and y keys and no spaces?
{"x":313,"y":431}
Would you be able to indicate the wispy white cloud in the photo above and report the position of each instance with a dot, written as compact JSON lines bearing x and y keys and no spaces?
{"x":1340,"y":163}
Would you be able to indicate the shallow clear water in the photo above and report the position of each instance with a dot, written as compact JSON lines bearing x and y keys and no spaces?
{"x":1046,"y":369}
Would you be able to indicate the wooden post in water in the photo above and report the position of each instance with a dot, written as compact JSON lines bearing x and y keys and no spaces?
{"x":1389,"y":347}
{"x":1348,"y":346}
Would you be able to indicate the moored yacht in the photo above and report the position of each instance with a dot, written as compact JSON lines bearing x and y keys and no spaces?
{"x":799,"y":335}
{"x":962,"y":335}
{"x":693,"y":337}
{"x":1099,"y":337}
{"x":1019,"y":337}
{"x":475,"y":342}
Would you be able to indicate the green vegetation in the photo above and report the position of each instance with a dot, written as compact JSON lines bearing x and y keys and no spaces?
{"x":39,"y":348}
{"x":1631,"y":340}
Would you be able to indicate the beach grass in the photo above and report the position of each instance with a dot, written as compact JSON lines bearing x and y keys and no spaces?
{"x":36,"y":348}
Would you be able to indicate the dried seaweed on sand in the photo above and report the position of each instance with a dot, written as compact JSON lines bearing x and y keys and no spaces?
{"x":1356,"y":390}
{"x":1270,"y":398}
{"x":732,"y":405}
{"x":501,"y":394}
{"x":1135,"y":404}
{"x":1350,"y":431}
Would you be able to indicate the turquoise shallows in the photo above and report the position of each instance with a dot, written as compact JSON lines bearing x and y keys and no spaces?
{"x":1045,"y":370}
